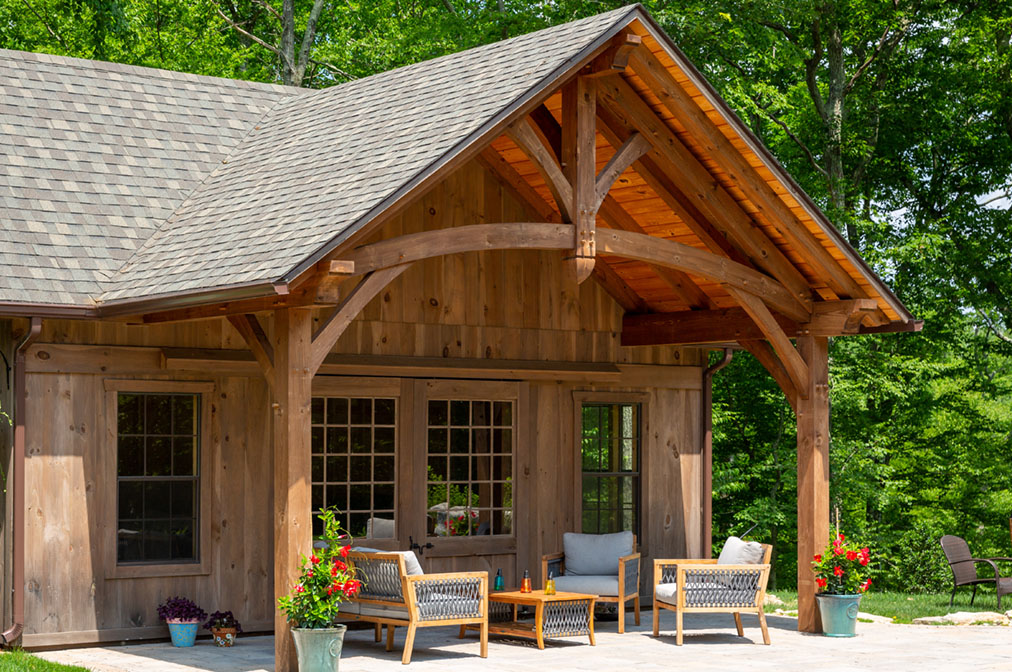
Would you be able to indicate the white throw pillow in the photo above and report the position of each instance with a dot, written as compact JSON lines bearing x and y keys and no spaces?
{"x":738,"y":552}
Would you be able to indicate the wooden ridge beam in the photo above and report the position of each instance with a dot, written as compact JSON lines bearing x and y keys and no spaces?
{"x":471,"y":238}
{"x":526,"y":139}
{"x":733,"y":162}
{"x":249,"y":327}
{"x":704,"y":264}
{"x":616,"y":58}
{"x":628,"y":109}
{"x":330,"y":330}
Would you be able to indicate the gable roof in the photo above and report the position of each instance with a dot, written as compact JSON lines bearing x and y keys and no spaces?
{"x":150,"y":186}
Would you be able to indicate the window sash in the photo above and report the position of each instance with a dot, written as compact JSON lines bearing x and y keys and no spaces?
{"x":611,"y":430}
{"x":167,"y":521}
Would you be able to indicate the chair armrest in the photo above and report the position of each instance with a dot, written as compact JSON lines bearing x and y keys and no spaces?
{"x":552,"y":560}
{"x":629,"y":574}
{"x":448,"y":596}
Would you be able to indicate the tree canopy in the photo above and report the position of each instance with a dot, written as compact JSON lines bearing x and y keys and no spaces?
{"x":895,"y":116}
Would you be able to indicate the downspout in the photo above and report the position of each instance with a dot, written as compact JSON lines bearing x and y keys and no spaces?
{"x":708,"y":450}
{"x":13,"y":634}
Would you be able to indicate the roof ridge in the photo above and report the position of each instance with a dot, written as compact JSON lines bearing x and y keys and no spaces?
{"x":143,"y":70}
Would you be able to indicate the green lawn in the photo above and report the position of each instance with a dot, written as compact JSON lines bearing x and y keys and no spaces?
{"x":19,"y":661}
{"x":903,"y":608}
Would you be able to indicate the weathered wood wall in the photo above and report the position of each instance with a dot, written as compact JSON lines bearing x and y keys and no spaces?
{"x":490,"y":305}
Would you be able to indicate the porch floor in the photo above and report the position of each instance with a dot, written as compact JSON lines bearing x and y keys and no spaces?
{"x":710,"y":644}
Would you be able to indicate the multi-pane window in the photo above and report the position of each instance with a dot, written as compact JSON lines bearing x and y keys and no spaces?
{"x":158,"y":479}
{"x":470,"y":467}
{"x":610,"y":449}
{"x":354,"y":443}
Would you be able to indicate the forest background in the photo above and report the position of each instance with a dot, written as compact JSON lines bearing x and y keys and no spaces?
{"x":895,"y":115}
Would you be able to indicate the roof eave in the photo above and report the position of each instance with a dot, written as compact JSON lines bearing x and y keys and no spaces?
{"x":771,"y":162}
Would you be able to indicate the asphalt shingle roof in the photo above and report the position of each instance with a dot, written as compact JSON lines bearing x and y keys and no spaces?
{"x":94,"y":157}
{"x":122,"y":183}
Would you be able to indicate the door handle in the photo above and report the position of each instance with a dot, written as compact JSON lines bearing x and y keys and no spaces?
{"x":412,"y":546}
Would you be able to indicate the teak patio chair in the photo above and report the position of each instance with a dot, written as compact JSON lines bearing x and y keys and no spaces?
{"x":395,"y":592}
{"x":964,"y":569}
{"x":605,"y":565}
{"x":704,"y":586}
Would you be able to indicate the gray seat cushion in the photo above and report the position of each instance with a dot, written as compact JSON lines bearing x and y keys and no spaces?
{"x":667,"y":593}
{"x":595,"y":554}
{"x":393,"y":610}
{"x":606,"y":586}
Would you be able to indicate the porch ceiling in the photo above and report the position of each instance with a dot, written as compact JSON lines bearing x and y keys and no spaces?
{"x":636,"y":194}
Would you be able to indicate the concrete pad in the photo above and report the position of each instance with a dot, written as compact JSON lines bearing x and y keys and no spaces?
{"x":710,"y":645}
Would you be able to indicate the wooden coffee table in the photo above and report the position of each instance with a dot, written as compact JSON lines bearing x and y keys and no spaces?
{"x":559,"y":615}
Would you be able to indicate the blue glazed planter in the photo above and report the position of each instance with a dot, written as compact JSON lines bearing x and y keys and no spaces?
{"x":839,"y":614}
{"x":183,"y":634}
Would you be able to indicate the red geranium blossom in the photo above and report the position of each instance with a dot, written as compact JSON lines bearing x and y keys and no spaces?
{"x":838,"y":570}
{"x":818,"y":557}
{"x":821,"y":583}
{"x":851,"y":555}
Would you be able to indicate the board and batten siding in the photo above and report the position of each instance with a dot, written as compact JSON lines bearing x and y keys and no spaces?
{"x":496,"y":305}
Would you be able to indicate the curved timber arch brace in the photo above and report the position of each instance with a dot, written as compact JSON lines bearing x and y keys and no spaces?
{"x":289,"y":361}
{"x":541,"y":236}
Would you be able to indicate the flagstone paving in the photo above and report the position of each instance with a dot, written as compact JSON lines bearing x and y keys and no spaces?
{"x":710,"y":644}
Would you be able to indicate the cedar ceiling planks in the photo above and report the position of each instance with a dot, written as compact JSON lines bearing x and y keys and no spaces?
{"x":654,"y":216}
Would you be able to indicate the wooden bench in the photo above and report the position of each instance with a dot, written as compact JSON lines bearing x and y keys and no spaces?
{"x":391,"y":596}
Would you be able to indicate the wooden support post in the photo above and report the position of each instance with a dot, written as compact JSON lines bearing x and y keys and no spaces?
{"x":293,"y":535}
{"x":584,"y":209}
{"x":813,"y":474}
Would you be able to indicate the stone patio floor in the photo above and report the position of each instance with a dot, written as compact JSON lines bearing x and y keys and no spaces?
{"x":710,"y":644}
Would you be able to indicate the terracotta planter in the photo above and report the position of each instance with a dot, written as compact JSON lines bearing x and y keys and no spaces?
{"x":224,"y":636}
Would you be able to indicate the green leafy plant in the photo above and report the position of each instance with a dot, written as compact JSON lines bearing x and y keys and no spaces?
{"x":325,"y":579}
{"x":841,"y":570}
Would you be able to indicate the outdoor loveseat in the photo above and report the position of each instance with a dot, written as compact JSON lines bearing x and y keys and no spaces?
{"x":605,"y":565}
{"x":733,"y":583}
{"x":396,"y":592}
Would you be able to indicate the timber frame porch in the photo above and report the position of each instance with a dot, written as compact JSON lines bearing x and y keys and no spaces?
{"x":633,"y":171}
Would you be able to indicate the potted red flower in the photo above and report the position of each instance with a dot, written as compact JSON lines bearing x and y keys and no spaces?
{"x":325,"y":581}
{"x":841,"y":575}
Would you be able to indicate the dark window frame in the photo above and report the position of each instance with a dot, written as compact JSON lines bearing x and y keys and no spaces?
{"x":637,"y":475}
{"x":172,"y":477}
{"x":107,"y":497}
{"x":322,"y":489}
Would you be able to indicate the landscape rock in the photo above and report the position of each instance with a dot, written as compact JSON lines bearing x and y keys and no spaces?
{"x":965,"y":618}
{"x":874,"y":618}
{"x":773,"y":599}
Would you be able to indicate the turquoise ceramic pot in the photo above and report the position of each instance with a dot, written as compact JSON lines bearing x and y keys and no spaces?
{"x":183,"y":634}
{"x":839,"y":614}
{"x":319,"y":649}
